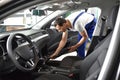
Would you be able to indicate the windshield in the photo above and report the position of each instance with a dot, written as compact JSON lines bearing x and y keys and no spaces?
{"x":23,"y":19}
{"x":39,"y":16}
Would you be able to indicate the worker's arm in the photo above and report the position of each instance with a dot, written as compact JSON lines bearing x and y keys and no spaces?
{"x":61,"y":44}
{"x":83,"y":39}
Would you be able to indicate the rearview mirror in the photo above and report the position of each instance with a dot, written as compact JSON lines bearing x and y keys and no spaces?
{"x":37,"y":12}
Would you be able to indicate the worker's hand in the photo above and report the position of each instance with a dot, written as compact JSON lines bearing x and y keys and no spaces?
{"x":72,"y":48}
{"x":53,"y":56}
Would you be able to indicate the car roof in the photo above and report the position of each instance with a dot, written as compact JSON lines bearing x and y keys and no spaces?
{"x":15,"y":5}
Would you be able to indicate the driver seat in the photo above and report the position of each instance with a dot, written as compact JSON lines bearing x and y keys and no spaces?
{"x":89,"y":68}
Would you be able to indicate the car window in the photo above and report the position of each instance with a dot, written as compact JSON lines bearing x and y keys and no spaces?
{"x":36,"y":17}
{"x":23,"y":19}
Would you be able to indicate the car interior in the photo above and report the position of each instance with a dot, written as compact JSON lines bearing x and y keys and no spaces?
{"x":24,"y":52}
{"x":84,"y":69}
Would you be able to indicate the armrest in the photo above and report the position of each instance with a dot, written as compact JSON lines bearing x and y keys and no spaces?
{"x":57,"y":69}
{"x":65,"y":71}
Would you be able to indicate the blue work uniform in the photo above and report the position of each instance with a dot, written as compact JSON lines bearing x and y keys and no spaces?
{"x":82,"y":21}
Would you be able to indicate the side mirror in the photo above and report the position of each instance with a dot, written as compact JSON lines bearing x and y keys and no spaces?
{"x":37,"y":12}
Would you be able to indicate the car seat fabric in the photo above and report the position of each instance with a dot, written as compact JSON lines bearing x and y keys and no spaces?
{"x":55,"y":38}
{"x":69,"y":60}
{"x":89,"y":68}
{"x":94,"y":61}
{"x":53,"y":77}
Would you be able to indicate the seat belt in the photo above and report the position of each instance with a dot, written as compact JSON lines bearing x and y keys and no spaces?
{"x":102,"y":27}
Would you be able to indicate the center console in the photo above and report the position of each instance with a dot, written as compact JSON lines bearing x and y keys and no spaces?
{"x":58,"y":70}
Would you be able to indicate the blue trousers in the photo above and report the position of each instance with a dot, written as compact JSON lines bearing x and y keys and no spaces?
{"x":89,"y":28}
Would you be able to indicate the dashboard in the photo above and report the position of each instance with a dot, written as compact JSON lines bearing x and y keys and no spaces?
{"x":39,"y":37}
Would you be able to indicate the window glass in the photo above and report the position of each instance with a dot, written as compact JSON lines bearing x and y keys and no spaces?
{"x":23,"y":19}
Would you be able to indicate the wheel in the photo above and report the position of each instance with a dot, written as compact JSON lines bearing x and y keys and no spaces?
{"x":24,"y":56}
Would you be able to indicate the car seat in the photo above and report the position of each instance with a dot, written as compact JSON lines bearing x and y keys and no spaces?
{"x":89,"y":68}
{"x":55,"y":38}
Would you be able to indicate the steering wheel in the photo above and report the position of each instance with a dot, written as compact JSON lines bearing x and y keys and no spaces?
{"x":24,"y":56}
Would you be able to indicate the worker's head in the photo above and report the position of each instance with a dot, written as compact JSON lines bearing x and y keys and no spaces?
{"x":61,"y":24}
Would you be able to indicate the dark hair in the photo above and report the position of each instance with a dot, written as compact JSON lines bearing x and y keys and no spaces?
{"x":59,"y":21}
